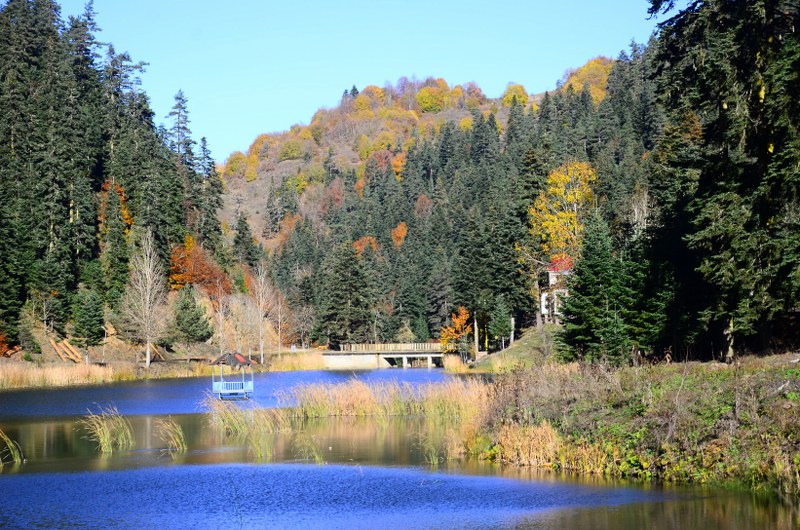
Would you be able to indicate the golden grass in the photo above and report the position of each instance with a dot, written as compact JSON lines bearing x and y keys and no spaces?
{"x":454,"y":364}
{"x":531,"y":445}
{"x":289,"y":362}
{"x":108,"y":428}
{"x":27,"y":375}
{"x":257,"y":427}
{"x":454,"y":401}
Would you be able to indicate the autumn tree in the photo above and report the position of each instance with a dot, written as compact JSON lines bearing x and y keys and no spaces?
{"x":455,"y":337}
{"x":556,"y":219}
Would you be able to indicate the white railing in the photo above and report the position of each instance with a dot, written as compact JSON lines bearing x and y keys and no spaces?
{"x":231,"y":386}
{"x":409,"y":347}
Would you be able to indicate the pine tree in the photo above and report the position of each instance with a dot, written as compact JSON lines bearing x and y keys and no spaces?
{"x":344,"y":299}
{"x":89,"y":317}
{"x":244,"y":247}
{"x":190,"y":319}
{"x":592,"y":313}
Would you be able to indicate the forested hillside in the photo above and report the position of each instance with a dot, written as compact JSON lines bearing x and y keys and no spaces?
{"x":660,"y":188}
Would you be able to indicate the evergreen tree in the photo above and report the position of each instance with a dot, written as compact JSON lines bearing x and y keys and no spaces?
{"x":592,"y":313}
{"x":344,"y":299}
{"x":244,"y":246}
{"x":89,"y":317}
{"x":190,"y":319}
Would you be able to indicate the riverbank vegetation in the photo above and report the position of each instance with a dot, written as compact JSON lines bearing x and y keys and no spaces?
{"x":108,"y":429}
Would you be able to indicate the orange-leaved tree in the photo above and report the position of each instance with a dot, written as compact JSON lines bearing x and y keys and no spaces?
{"x":455,"y":338}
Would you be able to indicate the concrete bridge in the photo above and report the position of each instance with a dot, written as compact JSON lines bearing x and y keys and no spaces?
{"x":366,"y":356}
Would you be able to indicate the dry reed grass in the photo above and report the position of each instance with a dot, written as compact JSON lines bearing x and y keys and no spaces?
{"x":531,"y":445}
{"x":453,"y":364}
{"x":28,"y":375}
{"x":108,"y":428}
{"x":289,"y":362}
{"x":455,"y":401}
{"x":256,"y":427}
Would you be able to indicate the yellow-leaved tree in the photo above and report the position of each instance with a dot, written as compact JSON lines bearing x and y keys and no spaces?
{"x":556,"y":217}
{"x":515,"y":91}
{"x":556,"y":220}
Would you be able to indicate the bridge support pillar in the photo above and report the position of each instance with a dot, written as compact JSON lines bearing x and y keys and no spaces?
{"x":405,"y":361}
{"x":430,"y":361}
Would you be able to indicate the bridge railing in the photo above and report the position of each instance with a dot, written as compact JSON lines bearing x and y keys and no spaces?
{"x":422,"y":347}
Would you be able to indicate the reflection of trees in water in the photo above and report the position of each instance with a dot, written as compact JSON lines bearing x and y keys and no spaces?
{"x":703,"y":510}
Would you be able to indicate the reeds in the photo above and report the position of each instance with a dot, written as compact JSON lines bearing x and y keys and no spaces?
{"x":530,"y":445}
{"x":289,"y":362}
{"x":12,"y":449}
{"x":171,"y":433}
{"x":454,"y":364}
{"x":108,"y":429}
{"x":307,"y":448}
{"x":30,"y":375}
{"x":256,"y":427}
{"x":454,"y":401}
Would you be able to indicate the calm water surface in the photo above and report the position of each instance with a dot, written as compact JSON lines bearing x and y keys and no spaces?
{"x":376,"y":474}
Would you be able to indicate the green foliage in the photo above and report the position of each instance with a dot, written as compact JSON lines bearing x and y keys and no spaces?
{"x":291,"y":150}
{"x":89,"y":317}
{"x":344,"y":308}
{"x":190,"y":319}
{"x":594,"y":311}
{"x":245,"y":248}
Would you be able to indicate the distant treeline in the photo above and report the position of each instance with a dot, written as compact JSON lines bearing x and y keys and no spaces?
{"x":668,"y":195}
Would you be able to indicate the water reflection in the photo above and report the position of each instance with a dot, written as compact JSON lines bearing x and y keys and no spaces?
{"x":379,"y":473}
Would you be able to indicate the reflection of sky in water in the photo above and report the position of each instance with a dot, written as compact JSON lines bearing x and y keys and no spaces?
{"x":291,"y":496}
{"x":179,"y":396}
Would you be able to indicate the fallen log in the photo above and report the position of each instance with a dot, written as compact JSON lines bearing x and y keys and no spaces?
{"x":76,"y":355}
{"x":55,"y":347}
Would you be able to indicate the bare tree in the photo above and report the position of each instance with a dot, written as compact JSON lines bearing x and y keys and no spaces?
{"x":222,"y":302}
{"x":242,"y":318}
{"x":279,"y":314}
{"x":145,"y":294}
{"x":262,"y":297}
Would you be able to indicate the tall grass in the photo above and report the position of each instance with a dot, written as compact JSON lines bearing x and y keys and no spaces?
{"x":171,"y":433}
{"x":532,"y":445}
{"x":256,"y":427}
{"x":108,"y":429}
{"x":454,"y":364}
{"x":455,"y":401}
{"x":28,"y":375}
{"x":289,"y":362}
{"x":12,"y":449}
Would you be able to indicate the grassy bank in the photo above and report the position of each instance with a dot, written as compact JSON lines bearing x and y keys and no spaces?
{"x":686,"y":423}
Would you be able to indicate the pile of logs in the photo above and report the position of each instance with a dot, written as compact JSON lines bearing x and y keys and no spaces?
{"x":10,"y":352}
{"x":66,"y":351}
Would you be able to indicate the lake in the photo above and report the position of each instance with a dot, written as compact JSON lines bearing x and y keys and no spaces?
{"x":364,"y":472}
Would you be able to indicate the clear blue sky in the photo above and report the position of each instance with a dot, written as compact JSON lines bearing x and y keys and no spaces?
{"x":254,"y":66}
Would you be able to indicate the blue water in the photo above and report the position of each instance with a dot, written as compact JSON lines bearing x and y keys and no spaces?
{"x":180,"y":396}
{"x":291,"y":496}
{"x":368,"y":483}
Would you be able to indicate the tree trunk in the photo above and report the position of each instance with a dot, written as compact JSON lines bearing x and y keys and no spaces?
{"x":477,"y":340}
{"x":147,"y":355}
{"x":511,"y":338}
{"x":729,"y":340}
